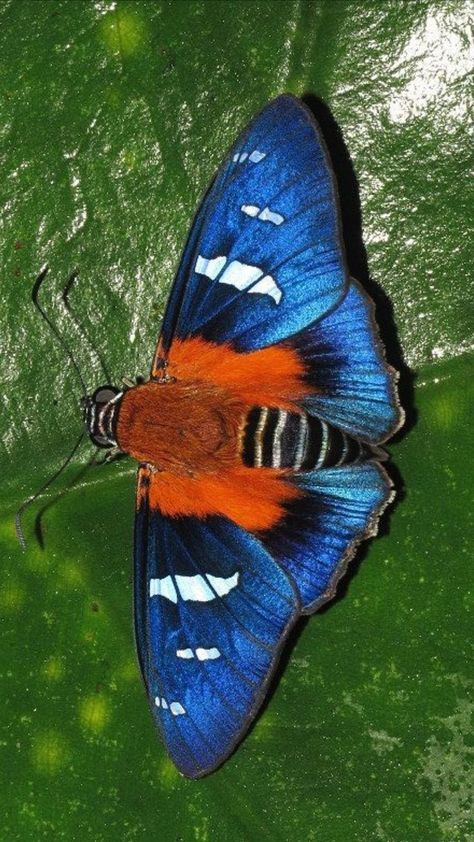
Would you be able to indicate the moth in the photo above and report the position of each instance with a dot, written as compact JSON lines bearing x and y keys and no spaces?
{"x":257,"y":435}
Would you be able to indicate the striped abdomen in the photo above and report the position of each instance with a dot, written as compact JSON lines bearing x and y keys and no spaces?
{"x":275,"y":438}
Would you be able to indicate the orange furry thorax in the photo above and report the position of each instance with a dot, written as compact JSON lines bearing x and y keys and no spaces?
{"x":182,"y":427}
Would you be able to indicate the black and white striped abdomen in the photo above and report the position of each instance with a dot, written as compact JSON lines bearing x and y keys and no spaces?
{"x":275,"y":438}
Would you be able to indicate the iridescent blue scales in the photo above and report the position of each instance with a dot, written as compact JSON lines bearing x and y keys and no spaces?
{"x":215,"y":597}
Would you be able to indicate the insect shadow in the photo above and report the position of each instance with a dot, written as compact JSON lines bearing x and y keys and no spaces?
{"x":356,"y":256}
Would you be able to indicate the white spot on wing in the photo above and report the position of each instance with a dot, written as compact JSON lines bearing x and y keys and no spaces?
{"x":223,"y":586}
{"x":271,"y":216}
{"x":268,"y":286}
{"x":193,"y":588}
{"x":176,"y":708}
{"x":240,"y":275}
{"x":254,"y":156}
{"x":266,"y":215}
{"x":210,"y":268}
{"x":163,"y":587}
{"x":202,"y":654}
{"x":250,"y":210}
{"x":207,"y":654}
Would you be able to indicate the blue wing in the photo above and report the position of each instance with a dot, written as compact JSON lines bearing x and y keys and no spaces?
{"x":354,"y":388}
{"x":264,"y":257}
{"x":212,"y":609}
{"x":321,"y":531}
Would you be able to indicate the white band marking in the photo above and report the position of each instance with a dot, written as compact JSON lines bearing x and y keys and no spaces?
{"x":164,"y":587}
{"x":267,"y":286}
{"x":201,"y":653}
{"x":242,"y":276}
{"x":282,"y":415}
{"x":210,"y":268}
{"x":254,"y":156}
{"x":250,"y":210}
{"x":345,"y":449}
{"x":193,"y":588}
{"x":271,"y":216}
{"x":324,"y":446}
{"x":176,"y":708}
{"x":221,"y":585}
{"x":266,"y":215}
{"x":301,"y":449}
{"x":207,"y":654}
{"x":259,"y":437}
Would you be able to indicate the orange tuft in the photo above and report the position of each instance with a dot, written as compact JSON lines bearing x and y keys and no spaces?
{"x":272,"y":377}
{"x":253,"y":498}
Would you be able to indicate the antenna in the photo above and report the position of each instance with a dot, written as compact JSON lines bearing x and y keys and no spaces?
{"x":38,"y":528}
{"x":52,"y":326}
{"x":27,"y":503}
{"x":64,"y":295}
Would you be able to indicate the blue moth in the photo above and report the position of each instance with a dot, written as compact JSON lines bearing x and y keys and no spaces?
{"x":257,"y":435}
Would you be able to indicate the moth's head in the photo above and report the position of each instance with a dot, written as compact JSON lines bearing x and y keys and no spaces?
{"x":100,"y":413}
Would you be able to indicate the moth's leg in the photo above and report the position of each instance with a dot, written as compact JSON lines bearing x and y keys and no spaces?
{"x":129,"y":383}
{"x":111,"y":456}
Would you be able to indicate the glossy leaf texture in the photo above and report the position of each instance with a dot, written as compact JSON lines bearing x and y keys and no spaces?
{"x":113,"y":117}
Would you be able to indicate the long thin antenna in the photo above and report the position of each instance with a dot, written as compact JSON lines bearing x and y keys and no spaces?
{"x":61,"y":340}
{"x":27,"y":503}
{"x":39,"y":517}
{"x":64,"y":295}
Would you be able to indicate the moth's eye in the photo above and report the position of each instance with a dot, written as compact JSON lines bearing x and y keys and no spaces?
{"x":105,"y":394}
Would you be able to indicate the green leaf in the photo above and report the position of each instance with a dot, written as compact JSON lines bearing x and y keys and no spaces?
{"x":114,"y":116}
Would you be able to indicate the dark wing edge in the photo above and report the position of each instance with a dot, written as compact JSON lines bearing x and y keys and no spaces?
{"x":322,"y":530}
